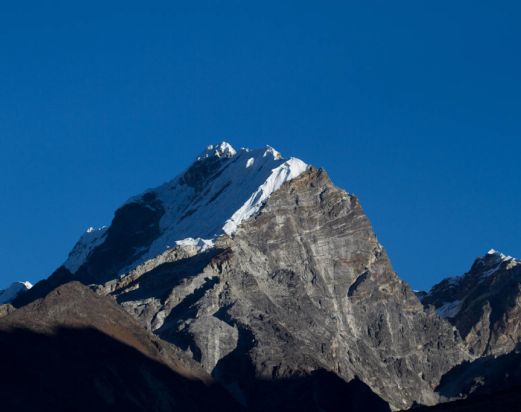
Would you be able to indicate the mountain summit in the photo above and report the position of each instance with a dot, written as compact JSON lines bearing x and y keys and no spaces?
{"x":484,"y":304}
{"x":219,"y":190}
{"x":271,"y":280}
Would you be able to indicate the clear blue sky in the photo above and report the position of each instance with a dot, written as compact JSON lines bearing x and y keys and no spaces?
{"x":414,"y":106}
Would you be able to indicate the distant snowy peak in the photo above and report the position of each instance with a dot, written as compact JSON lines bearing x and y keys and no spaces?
{"x":483,"y":267}
{"x":449,"y":295}
{"x":491,"y":263}
{"x":483,"y":304}
{"x":16,"y":288}
{"x":221,"y":189}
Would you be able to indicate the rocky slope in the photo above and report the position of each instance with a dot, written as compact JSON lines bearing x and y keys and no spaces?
{"x":79,"y":351}
{"x":302,"y":286}
{"x":271,"y":279}
{"x":484,"y":304}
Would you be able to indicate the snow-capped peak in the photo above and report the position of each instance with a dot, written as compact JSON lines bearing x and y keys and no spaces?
{"x":243,"y":182}
{"x":9,"y":294}
{"x":499,"y":255}
{"x":212,"y":197}
{"x":223,"y":149}
{"x":495,"y":260}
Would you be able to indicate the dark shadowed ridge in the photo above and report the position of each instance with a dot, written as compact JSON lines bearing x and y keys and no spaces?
{"x":86,"y":370}
{"x":505,"y":400}
{"x":76,"y":351}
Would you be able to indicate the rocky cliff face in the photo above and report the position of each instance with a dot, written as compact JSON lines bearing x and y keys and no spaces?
{"x":271,"y":280}
{"x":302,"y":286}
{"x":484,"y":304}
{"x":73,"y":350}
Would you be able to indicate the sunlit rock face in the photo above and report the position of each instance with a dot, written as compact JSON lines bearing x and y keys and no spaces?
{"x":301,"y":286}
{"x":272,"y":280}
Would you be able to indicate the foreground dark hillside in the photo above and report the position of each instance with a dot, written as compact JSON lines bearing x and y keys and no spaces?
{"x":76,"y":351}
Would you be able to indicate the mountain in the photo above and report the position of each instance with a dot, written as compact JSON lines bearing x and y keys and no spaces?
{"x":74,"y":350}
{"x":484,"y":304}
{"x":213,"y":196}
{"x":259,"y":267}
{"x":270,"y":279}
{"x":15,"y":289}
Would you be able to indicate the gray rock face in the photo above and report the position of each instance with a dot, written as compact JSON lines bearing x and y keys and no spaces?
{"x":483,"y":376}
{"x":74,"y":350}
{"x":302,"y":286}
{"x":484,"y":304}
{"x":286,"y":298}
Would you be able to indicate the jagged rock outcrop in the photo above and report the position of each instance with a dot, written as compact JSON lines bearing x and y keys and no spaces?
{"x":302,"y":286}
{"x":488,"y":383}
{"x":484,"y":304}
{"x":6,"y":309}
{"x":483,"y":376}
{"x":272,"y":280}
{"x":211,"y":197}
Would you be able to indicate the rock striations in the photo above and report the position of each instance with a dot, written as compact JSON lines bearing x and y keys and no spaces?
{"x":484,"y":304}
{"x":271,"y":280}
{"x":76,"y":351}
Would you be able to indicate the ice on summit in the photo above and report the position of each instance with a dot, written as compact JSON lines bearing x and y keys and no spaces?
{"x":223,"y":149}
{"x":243,"y":183}
{"x":285,"y":172}
{"x":499,"y":256}
{"x":228,"y":191}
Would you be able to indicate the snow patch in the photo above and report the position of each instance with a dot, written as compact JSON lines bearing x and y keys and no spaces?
{"x":494,"y":261}
{"x":224,"y":149}
{"x":201,"y":244}
{"x":90,"y":239}
{"x":9,"y":294}
{"x":271,"y":151}
{"x":196,"y":214}
{"x":499,"y":255}
{"x":250,"y":173}
{"x":449,"y":309}
{"x":286,"y":172}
